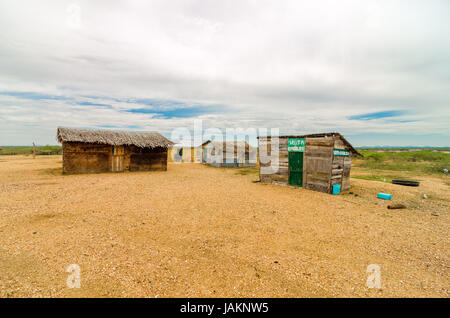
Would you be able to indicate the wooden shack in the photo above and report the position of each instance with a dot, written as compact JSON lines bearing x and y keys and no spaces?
{"x":184,"y":152}
{"x":315,"y":161}
{"x":228,"y":154}
{"x":92,"y":151}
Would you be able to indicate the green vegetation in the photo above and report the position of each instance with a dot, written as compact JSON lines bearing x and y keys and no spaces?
{"x":53,"y":171}
{"x":244,"y":171}
{"x":381,"y":178}
{"x":404,"y":148}
{"x":28,"y":150}
{"x":422,"y":161}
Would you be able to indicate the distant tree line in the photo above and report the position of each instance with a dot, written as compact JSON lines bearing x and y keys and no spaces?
{"x":28,"y":150}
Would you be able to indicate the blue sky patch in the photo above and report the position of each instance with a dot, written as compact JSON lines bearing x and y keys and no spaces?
{"x":94,"y":104}
{"x":158,"y":103}
{"x":187,"y":112}
{"x":401,"y":121}
{"x":378,"y":115}
{"x":115,"y":127}
{"x":35,"y":96}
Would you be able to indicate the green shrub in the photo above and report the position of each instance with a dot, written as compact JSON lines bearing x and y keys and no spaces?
{"x":425,"y":161}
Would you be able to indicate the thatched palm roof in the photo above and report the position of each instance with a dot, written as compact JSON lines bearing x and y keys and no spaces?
{"x":114,"y":138}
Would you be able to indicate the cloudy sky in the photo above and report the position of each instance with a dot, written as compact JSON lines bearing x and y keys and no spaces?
{"x":376,"y":71}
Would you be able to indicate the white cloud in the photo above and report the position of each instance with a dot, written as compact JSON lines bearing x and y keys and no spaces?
{"x":303,"y":66}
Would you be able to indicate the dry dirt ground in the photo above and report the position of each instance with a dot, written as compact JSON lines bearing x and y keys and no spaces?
{"x":198,"y":231}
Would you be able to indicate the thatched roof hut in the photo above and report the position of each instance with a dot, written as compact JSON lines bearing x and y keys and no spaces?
{"x":86,"y":151}
{"x":113,"y":138}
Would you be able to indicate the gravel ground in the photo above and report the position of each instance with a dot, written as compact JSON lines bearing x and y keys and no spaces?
{"x":198,"y":231}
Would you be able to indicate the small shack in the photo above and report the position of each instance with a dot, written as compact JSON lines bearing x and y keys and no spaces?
{"x":228,"y":154}
{"x":92,"y":151}
{"x":315,"y":161}
{"x":184,"y":152}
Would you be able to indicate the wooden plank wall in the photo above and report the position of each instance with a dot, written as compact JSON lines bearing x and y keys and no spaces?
{"x":341,"y":167}
{"x":346,"y":176}
{"x":318,"y":160}
{"x":237,"y":158}
{"x":282,"y":175}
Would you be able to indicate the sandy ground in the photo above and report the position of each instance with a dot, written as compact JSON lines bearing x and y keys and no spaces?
{"x":198,"y":231}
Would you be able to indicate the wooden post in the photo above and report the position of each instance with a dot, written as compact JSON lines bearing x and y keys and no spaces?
{"x":34,"y":151}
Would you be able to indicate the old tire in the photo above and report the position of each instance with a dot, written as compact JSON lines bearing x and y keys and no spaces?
{"x":406,"y":183}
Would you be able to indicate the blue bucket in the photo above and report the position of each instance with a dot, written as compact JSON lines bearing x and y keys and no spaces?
{"x":384,"y":196}
{"x":336,"y":189}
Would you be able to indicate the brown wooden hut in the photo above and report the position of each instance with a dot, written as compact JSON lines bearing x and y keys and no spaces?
{"x":91,"y":151}
{"x":315,"y":161}
{"x":228,"y":153}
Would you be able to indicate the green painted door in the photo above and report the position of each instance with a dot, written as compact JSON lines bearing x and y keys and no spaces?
{"x":296,"y":168}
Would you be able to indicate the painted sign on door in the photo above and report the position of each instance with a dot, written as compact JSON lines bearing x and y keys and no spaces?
{"x":296,"y":145}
